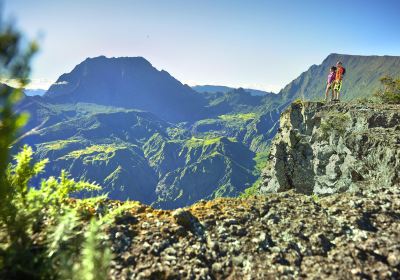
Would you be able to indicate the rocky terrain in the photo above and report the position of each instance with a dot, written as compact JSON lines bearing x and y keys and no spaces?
{"x":286,"y":235}
{"x":289,"y":233}
{"x":333,"y":148}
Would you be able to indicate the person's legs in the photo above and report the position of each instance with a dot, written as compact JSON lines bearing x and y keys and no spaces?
{"x":338,"y":89}
{"x":333,"y":90}
{"x":328,"y":87}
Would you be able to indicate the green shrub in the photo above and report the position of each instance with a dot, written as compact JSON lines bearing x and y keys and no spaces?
{"x":31,"y":211}
{"x":315,"y":198}
{"x":14,"y":232}
{"x":390,"y":93}
{"x":95,"y":255}
{"x":42,"y":234}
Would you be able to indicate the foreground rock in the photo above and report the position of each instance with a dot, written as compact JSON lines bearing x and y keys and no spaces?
{"x":333,"y":148}
{"x":285,"y":235}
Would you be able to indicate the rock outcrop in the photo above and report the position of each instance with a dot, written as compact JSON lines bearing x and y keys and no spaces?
{"x":325,"y":149}
{"x":352,"y":235}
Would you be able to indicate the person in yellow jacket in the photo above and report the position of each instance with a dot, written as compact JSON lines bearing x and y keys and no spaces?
{"x":340,"y":71}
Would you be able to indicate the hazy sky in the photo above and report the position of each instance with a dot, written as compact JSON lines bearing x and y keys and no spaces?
{"x":259,"y":44}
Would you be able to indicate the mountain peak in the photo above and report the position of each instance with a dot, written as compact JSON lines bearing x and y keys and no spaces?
{"x":128,"y":60}
{"x":130,"y":82}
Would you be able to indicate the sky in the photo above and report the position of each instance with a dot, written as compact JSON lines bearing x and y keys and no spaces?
{"x":239,"y":43}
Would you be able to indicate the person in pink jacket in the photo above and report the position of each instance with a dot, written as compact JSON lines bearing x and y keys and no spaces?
{"x":330,"y":83}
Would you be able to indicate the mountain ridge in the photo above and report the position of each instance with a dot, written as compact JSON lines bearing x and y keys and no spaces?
{"x":226,"y":89}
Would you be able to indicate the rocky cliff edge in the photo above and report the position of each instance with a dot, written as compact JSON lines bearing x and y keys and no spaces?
{"x":326,"y":149}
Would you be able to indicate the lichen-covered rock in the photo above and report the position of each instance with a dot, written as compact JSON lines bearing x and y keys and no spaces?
{"x":333,"y":148}
{"x":183,"y":217}
{"x":287,"y":235}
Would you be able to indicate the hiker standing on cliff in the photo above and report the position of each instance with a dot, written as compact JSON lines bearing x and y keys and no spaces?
{"x":340,"y":71}
{"x":330,"y":83}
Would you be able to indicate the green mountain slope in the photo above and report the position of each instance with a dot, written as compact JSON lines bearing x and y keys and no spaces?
{"x":120,"y":167}
{"x":135,"y":155}
{"x":202,"y":168}
{"x":101,"y":144}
